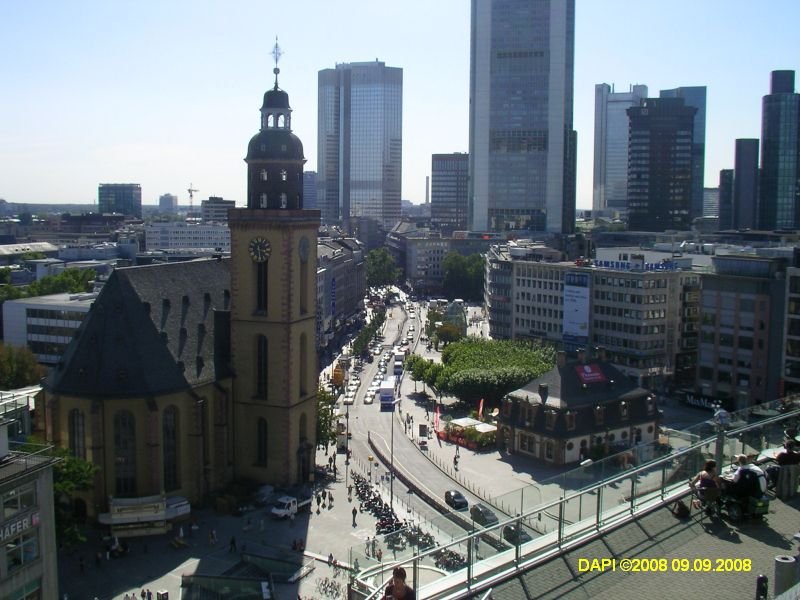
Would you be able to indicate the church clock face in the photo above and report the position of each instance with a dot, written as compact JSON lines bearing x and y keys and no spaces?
{"x":259,"y":249}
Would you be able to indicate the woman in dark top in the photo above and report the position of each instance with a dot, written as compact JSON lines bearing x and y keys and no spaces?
{"x":398,"y":590}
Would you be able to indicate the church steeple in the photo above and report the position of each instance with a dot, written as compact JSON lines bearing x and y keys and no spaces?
{"x":275,"y":155}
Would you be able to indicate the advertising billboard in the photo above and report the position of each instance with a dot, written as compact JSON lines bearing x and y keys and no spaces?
{"x":576,"y":308}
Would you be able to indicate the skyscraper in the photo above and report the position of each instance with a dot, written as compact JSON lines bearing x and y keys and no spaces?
{"x":521,"y":141}
{"x":660,"y":166}
{"x":695,"y":96}
{"x":745,"y":184}
{"x":610,"y":190}
{"x":450,"y":174}
{"x":359,"y":142}
{"x":120,"y":198}
{"x":309,"y":189}
{"x":779,"y":203}
{"x":725,"y":199}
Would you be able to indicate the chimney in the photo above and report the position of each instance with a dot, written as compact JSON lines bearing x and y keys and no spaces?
{"x":582,"y":355}
{"x":543,"y":391}
{"x":562,"y":358}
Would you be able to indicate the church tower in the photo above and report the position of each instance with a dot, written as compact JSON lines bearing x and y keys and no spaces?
{"x":273,"y":306}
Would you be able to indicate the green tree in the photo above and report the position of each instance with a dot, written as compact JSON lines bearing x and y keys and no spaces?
{"x":381,"y":268}
{"x":463,"y":276}
{"x":18,"y":368}
{"x":448,"y":333}
{"x":70,"y":475}
{"x":71,"y":281}
{"x":5,"y":276}
{"x":326,"y":432}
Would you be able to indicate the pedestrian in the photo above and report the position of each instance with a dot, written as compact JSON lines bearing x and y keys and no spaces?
{"x":210,"y":539}
{"x":213,"y":536}
{"x":366,"y":547}
{"x":232,"y":546}
{"x":180,"y":532}
{"x":318,"y":501}
{"x":349,"y":490}
{"x":330,"y":559}
{"x":355,"y":512}
{"x":379,"y":555}
{"x":143,"y":594}
{"x":98,"y":559}
{"x":149,"y":595}
{"x":334,"y":471}
{"x":374,"y":545}
{"x":330,"y":497}
{"x":291,"y":519}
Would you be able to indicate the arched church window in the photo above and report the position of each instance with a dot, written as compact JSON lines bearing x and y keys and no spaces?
{"x":125,"y":453}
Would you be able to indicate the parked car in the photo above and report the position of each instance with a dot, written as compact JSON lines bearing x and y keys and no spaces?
{"x":455,"y":499}
{"x":483,"y":515}
{"x":350,"y":397}
{"x":369,"y":397}
{"x":515,"y":535}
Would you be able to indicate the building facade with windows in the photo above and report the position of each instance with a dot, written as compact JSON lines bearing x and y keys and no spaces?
{"x":121,"y":198}
{"x":215,"y":209}
{"x":745,"y":185}
{"x":449,"y":187}
{"x":169,"y":236}
{"x":360,"y":143}
{"x":791,"y":332}
{"x":660,"y":167}
{"x":522,"y":147}
{"x":28,"y":565}
{"x":610,"y":190}
{"x":643,"y":311}
{"x":779,"y":186}
{"x":45,"y":324}
{"x":741,"y":332}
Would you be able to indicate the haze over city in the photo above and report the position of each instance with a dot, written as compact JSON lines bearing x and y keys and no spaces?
{"x":167,"y":94}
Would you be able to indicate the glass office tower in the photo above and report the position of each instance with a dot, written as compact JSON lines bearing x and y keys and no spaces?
{"x":360,"y":143}
{"x":522,"y":145}
{"x":779,"y":205}
{"x":610,"y":190}
{"x":695,"y":96}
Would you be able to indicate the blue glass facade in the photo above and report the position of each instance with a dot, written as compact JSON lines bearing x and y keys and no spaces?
{"x":360,"y":142}
{"x":522,"y":145}
{"x":779,"y":205}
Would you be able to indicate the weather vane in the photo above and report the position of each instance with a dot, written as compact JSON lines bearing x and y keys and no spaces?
{"x":276,"y":54}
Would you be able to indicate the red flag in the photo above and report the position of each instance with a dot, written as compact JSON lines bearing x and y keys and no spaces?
{"x":480,"y":409}
{"x":436,"y":420}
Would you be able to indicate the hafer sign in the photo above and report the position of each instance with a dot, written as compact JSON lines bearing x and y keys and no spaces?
{"x":13,"y":528}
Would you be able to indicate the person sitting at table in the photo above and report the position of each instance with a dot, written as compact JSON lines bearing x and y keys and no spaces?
{"x":749,"y":480}
{"x":707,"y":483}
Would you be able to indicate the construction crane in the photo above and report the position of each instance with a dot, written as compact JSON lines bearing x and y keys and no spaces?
{"x":191,"y":191}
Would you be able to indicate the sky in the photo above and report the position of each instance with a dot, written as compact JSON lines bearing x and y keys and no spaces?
{"x":166,"y":93}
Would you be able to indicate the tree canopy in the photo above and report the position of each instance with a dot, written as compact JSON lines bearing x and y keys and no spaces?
{"x":475,"y":368}
{"x":381,"y":268}
{"x":326,"y":434}
{"x":18,"y":368}
{"x":463,"y":276}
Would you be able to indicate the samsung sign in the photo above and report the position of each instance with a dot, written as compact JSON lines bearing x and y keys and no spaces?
{"x":576,"y":307}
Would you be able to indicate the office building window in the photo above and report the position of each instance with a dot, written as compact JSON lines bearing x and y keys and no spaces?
{"x":19,"y":500}
{"x":22,"y":549}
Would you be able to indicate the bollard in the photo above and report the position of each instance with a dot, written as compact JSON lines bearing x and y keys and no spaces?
{"x":762,"y":587}
{"x":784,"y":573}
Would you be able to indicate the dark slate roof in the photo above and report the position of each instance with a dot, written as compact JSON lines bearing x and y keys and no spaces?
{"x":275,"y":98}
{"x":566,"y":388}
{"x":277,"y":144}
{"x":566,"y":391}
{"x":150,"y":331}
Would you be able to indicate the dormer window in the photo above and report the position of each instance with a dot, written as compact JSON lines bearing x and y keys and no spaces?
{"x":550,"y":419}
{"x":263,"y":201}
{"x":264,"y":175}
{"x":623,"y":409}
{"x":651,"y":405}
{"x":570,"y":419}
{"x":283,"y":201}
{"x":283,"y":175}
{"x":599,"y":415}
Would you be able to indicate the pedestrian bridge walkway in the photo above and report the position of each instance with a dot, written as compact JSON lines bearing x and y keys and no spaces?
{"x":610,"y":515}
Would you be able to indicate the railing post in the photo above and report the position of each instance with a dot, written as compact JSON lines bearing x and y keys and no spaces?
{"x":561,"y":505}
